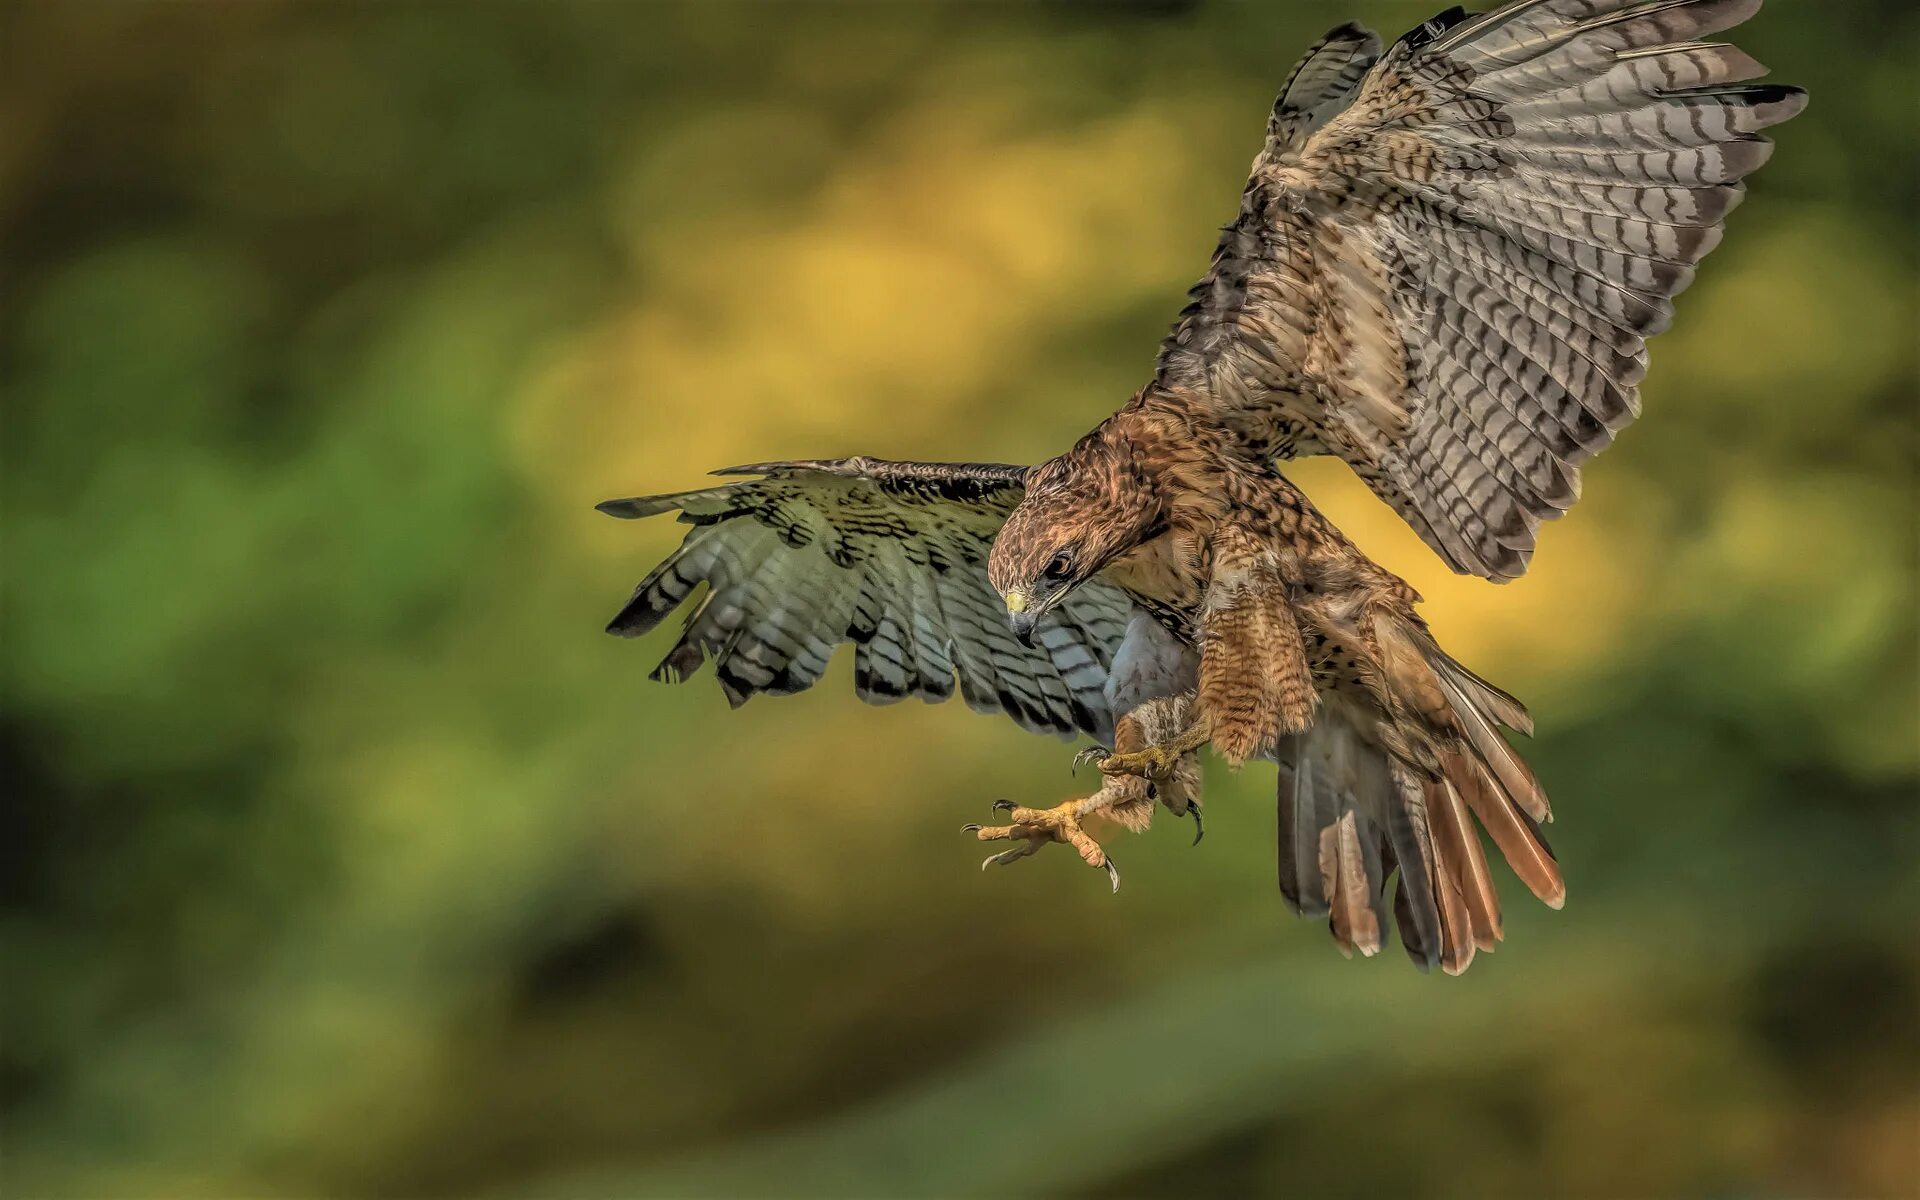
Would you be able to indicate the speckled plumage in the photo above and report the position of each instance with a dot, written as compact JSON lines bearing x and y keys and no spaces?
{"x":1307,"y":653}
{"x":1444,"y":270}
{"x":1449,"y":256}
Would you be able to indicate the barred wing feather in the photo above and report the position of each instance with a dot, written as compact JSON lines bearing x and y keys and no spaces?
{"x":1322,"y":83}
{"x":1449,"y":282}
{"x":890,"y":556}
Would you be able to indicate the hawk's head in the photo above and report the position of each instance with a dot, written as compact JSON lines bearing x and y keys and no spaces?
{"x":1081,"y":510}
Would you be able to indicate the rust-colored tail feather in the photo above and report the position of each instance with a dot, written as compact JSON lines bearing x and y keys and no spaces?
{"x":1458,"y":844}
{"x":1350,"y":870}
{"x":1360,"y":806}
{"x":1517,"y":836}
{"x":1489,"y":776}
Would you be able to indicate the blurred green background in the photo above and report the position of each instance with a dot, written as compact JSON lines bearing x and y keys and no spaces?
{"x":346,"y":857}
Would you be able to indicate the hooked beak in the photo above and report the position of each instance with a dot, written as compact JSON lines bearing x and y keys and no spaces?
{"x":1019,"y":619}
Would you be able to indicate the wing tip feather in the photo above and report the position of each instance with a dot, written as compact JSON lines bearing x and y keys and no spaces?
{"x":632,"y":508}
{"x":828,"y":466}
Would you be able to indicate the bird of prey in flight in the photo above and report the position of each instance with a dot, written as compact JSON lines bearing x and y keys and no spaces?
{"x":1444,"y":270}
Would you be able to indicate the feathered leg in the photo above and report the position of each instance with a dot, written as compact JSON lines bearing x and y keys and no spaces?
{"x":1153,"y":723}
{"x":1255,"y":684}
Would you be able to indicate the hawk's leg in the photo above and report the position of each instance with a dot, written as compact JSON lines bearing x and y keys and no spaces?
{"x":1255,"y":685}
{"x":1156,"y":762}
{"x":1147,"y":733}
{"x":1125,"y":799}
{"x":1035,"y":827}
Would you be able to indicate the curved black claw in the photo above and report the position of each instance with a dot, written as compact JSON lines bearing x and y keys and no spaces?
{"x":969,"y":828}
{"x":1113,"y":872}
{"x":1090,"y":754}
{"x":1199,"y":826}
{"x":1003,"y":806}
{"x":1014,"y":855}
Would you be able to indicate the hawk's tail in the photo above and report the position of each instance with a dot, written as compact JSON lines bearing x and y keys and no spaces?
{"x":1352,"y":814}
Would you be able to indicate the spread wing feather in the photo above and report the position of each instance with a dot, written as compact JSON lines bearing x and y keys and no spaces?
{"x":1322,"y":83}
{"x":804,"y":556}
{"x":1445,"y":270}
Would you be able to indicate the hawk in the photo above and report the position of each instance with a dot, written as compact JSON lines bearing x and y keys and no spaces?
{"x":1444,"y":270}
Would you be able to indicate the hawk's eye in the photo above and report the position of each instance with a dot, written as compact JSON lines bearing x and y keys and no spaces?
{"x":1061,"y":565}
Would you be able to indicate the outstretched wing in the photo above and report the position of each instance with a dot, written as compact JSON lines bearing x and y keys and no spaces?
{"x":1322,"y":84}
{"x":1450,"y":282}
{"x":890,"y":556}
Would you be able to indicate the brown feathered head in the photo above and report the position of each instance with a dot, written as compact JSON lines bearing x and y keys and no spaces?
{"x":1081,"y":510}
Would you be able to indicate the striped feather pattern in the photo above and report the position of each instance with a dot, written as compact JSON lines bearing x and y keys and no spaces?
{"x":1322,"y":83}
{"x":1449,"y":282}
{"x":1359,"y":821}
{"x":889,"y":556}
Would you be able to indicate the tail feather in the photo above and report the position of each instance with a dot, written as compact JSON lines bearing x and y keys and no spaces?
{"x":1422,"y":929}
{"x":1351,"y":819}
{"x":1456,"y":921}
{"x":1458,"y":844}
{"x":1493,"y":702}
{"x":1491,"y":778}
{"x":1516,"y":779}
{"x":1355,"y":878}
{"x":1331,"y":863}
{"x":1437,"y":926}
{"x":1355,"y":814}
{"x":1517,"y":836}
{"x":1299,"y":825}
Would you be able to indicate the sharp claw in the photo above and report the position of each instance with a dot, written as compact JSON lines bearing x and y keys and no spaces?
{"x":1088,"y":755}
{"x":1003,"y":806}
{"x":1007,"y":856}
{"x":1199,"y":826}
{"x":969,"y":828}
{"x":1113,"y":872}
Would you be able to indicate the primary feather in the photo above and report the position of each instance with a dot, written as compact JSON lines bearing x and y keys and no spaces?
{"x":887,"y":555}
{"x":1445,"y":270}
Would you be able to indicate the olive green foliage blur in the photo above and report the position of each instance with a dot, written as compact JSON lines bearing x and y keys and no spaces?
{"x":347,"y":857}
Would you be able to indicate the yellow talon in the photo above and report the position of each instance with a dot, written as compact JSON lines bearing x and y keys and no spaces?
{"x":1152,"y":762}
{"x":1037,"y":827}
{"x":1156,"y":762}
